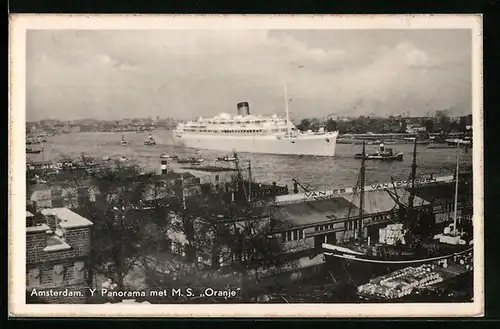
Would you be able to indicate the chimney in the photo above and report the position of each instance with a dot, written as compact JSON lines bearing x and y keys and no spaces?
{"x":30,"y":219}
{"x":164,"y":168}
{"x":52,"y":221}
{"x":243,"y":108}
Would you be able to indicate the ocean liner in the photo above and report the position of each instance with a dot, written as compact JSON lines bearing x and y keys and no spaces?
{"x":412,"y":239}
{"x":254,"y":134}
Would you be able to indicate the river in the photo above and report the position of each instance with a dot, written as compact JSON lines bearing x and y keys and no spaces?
{"x":317,"y":173}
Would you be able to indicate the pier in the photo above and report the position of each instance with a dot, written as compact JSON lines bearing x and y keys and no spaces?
{"x":326,"y":194}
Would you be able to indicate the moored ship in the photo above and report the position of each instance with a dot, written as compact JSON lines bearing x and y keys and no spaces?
{"x":413,"y":239}
{"x":254,"y":134}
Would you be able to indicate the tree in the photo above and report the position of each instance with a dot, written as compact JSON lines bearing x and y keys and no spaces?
{"x":245,"y":235}
{"x":305,"y":125}
{"x":429,"y":125}
{"x":122,"y":233}
{"x":236,"y":234}
{"x":403,"y":125}
{"x":443,"y":120}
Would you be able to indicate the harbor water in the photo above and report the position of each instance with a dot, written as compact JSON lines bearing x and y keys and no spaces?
{"x":317,"y":173}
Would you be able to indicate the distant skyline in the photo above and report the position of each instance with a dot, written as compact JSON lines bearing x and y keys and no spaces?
{"x":110,"y":75}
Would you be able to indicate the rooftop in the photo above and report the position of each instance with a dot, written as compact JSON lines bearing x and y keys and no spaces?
{"x":38,"y":228}
{"x":310,"y":212}
{"x":67,"y":218}
{"x":314,"y":211}
{"x":380,"y":200}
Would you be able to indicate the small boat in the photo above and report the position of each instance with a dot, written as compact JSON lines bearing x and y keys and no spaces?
{"x":123,"y":142}
{"x":106,"y":158}
{"x":191,"y":160}
{"x":122,"y":159}
{"x":226,"y":158}
{"x":385,"y":154}
{"x":462,"y":142}
{"x":32,"y":151}
{"x":168,"y":156}
{"x":150,"y":141}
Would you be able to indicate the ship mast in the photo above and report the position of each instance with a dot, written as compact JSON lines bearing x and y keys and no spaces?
{"x":287,"y":112}
{"x":183,"y":194}
{"x":456,"y":189}
{"x":249,"y":180}
{"x":411,"y":198}
{"x":240,"y":183}
{"x":362,"y":189}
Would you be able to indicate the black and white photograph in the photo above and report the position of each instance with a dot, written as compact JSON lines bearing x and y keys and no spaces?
{"x":246,"y":165}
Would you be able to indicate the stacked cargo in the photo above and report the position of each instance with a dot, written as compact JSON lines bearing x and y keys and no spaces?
{"x":465,"y":261}
{"x":400,"y":283}
{"x":391,"y":234}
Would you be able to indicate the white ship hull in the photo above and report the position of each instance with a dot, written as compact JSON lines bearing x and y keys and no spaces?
{"x":305,"y":144}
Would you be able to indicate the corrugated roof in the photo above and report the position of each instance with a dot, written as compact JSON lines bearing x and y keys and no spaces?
{"x":325,"y":209}
{"x":314,"y":211}
{"x":375,"y":201}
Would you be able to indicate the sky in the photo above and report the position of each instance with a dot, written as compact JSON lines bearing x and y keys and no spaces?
{"x":110,"y":75}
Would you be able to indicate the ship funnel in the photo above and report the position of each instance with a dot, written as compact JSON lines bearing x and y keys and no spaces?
{"x":243,"y":108}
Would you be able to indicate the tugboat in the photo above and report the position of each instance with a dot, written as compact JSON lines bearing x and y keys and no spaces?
{"x":410,"y":241}
{"x":150,"y":141}
{"x":123,"y":142}
{"x":385,"y":154}
{"x":192,"y":160}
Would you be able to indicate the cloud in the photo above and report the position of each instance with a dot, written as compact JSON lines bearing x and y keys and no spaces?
{"x":114,"y":74}
{"x":108,"y":61}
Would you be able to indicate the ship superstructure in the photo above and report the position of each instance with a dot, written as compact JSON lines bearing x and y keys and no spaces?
{"x":245,"y":132}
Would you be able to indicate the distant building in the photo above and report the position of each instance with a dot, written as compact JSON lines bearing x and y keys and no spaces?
{"x":71,"y":191}
{"x":414,"y":129}
{"x":57,"y":257}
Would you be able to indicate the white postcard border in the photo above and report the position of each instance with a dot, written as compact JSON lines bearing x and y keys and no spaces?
{"x":17,"y":239}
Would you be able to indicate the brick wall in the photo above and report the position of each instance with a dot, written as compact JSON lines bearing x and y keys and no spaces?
{"x":58,"y":271}
{"x":69,"y":281}
{"x":46,"y":273}
{"x":78,"y":239}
